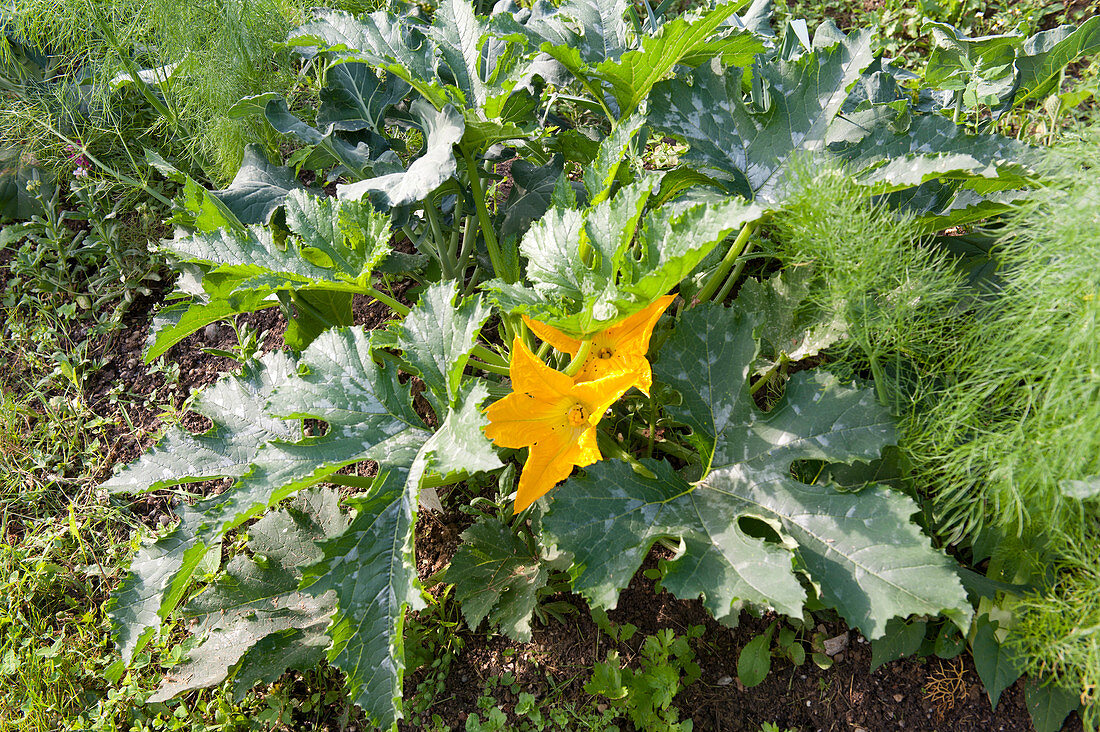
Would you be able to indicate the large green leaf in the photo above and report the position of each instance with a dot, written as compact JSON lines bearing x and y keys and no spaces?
{"x":622,"y":274}
{"x":371,"y":568}
{"x":530,"y":195}
{"x":788,"y":330}
{"x":442,"y":129}
{"x":257,"y":599}
{"x":240,"y":425}
{"x":604,"y":34}
{"x":629,"y":76}
{"x":870,"y":562}
{"x":355,"y":99}
{"x":932,"y":148}
{"x":369,"y":416}
{"x":436,"y":338}
{"x":333,"y":247}
{"x":258,"y":188}
{"x":496,"y":576}
{"x":159,"y":575}
{"x":1045,"y":54}
{"x":751,"y":144}
{"x":459,"y":448}
{"x":458,"y":34}
{"x":1006,"y":70}
{"x":394,"y":44}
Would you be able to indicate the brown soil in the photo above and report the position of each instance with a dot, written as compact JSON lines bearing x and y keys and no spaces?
{"x":559,"y":659}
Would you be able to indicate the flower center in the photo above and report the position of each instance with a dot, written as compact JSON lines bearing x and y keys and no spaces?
{"x":577,"y":415}
{"x":604,"y":352}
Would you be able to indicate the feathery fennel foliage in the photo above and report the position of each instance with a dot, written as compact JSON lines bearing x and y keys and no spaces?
{"x":875,"y":274}
{"x":202,"y":58}
{"x":1015,"y":433}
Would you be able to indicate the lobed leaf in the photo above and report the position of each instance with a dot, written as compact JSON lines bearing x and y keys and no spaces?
{"x":256,"y":600}
{"x":751,"y":145}
{"x":869,"y":560}
{"x":371,"y":569}
{"x":496,"y":576}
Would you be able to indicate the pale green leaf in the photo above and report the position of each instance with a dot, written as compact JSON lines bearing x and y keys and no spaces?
{"x":459,"y":447}
{"x":436,"y":338}
{"x":788,"y":330}
{"x":682,"y":41}
{"x":442,"y":129}
{"x":255,"y":599}
{"x":371,"y":568}
{"x":240,"y":425}
{"x":394,"y":44}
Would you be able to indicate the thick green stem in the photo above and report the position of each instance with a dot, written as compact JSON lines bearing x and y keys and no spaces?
{"x":386,"y":300}
{"x":486,"y":223}
{"x":734,"y":275}
{"x":490,"y":356}
{"x":439,"y":241}
{"x":491,"y":368}
{"x":577,"y":363}
{"x":763,"y":380}
{"x":610,"y":447}
{"x":452,"y":245}
{"x":719,"y":275}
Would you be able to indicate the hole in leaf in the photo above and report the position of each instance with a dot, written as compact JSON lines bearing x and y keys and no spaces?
{"x":758,"y":529}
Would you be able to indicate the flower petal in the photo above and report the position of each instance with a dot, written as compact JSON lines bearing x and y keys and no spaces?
{"x":551,"y":461}
{"x":553,"y":336}
{"x":632,"y":335}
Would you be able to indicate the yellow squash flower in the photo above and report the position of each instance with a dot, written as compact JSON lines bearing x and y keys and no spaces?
{"x":620,"y":349}
{"x":554,"y":417}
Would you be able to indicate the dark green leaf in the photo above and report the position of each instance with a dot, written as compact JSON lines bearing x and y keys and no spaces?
{"x":258,"y":188}
{"x":870,"y":561}
{"x":992,"y":661}
{"x":497,"y":576}
{"x":355,"y":99}
{"x":254,"y":600}
{"x":752,"y":146}
{"x":755,"y":660}
{"x":371,"y":568}
{"x":901,"y":639}
{"x":1049,"y":705}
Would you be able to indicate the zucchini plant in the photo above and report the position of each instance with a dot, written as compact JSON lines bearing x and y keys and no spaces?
{"x":586,"y":253}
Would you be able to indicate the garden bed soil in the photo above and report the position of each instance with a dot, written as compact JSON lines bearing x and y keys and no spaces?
{"x":559,"y":659}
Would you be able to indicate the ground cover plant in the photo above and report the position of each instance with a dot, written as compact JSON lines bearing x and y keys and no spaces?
{"x":580,"y":275}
